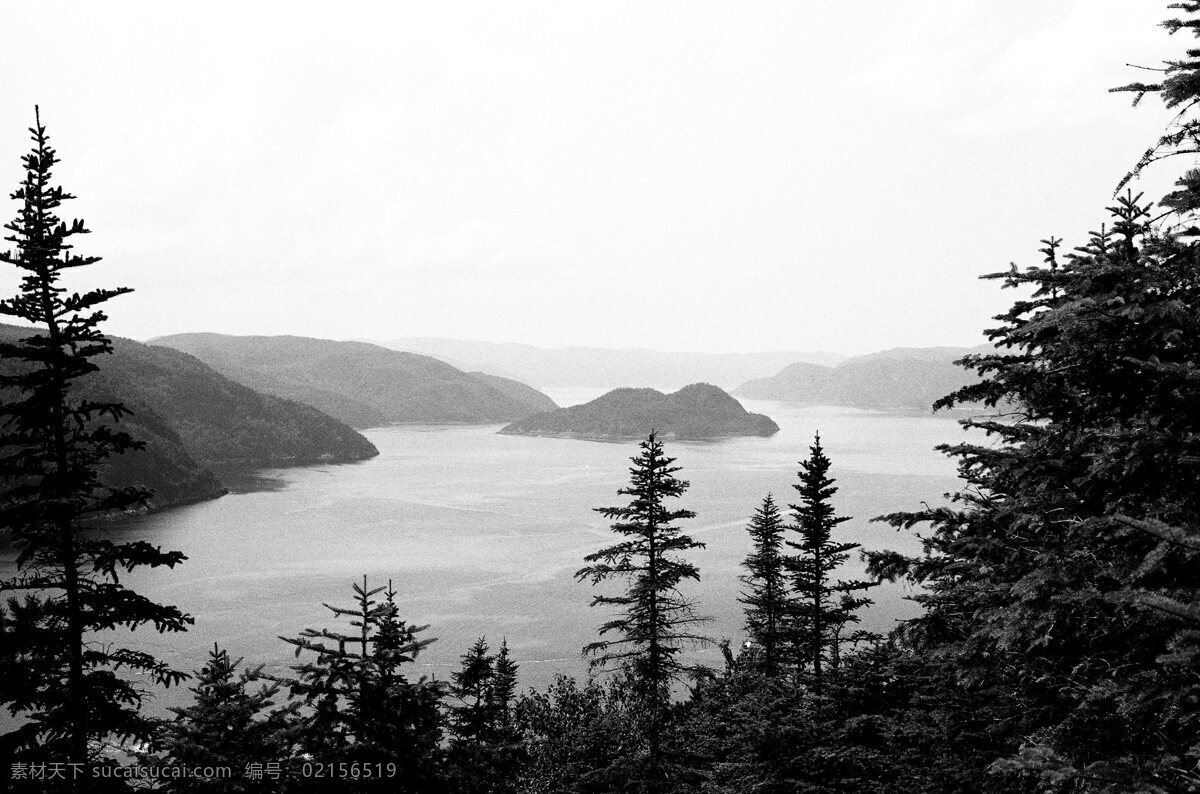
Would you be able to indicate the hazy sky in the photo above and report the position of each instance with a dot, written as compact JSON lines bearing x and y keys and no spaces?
{"x":674,"y":175}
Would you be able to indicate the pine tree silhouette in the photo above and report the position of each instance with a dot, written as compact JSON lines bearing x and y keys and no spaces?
{"x":823,"y":605}
{"x":656,"y":621}
{"x":768,"y":598}
{"x":52,"y":444}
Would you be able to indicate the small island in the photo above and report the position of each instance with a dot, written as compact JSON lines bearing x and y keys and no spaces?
{"x":699,"y":412}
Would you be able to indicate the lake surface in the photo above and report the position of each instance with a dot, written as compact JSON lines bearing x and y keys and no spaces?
{"x":481,"y":534}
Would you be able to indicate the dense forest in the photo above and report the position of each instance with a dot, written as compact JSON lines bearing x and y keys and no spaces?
{"x":1058,"y":649}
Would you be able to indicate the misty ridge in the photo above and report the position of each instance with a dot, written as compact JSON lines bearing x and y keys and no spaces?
{"x":904,"y":379}
{"x":217,"y":403}
{"x":602,"y":570}
{"x":593,"y":366}
{"x":362,"y":384}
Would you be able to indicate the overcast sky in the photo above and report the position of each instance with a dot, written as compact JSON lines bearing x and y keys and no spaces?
{"x":674,"y":175}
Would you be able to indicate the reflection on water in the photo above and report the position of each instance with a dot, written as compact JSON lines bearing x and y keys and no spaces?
{"x":241,"y":480}
{"x":482,"y":534}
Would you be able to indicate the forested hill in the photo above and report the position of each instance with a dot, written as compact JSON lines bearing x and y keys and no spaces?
{"x":697,"y":412}
{"x":362,"y":384}
{"x":193,"y":418}
{"x":907,"y":379}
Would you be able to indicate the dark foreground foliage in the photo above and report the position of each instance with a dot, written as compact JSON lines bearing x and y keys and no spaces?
{"x":1058,"y":651}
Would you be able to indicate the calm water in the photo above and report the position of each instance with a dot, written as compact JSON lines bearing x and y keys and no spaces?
{"x":481,"y":533}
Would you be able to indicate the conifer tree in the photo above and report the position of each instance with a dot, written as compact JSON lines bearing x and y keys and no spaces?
{"x":823,"y":605}
{"x":768,"y":597}
{"x":228,"y":725}
{"x":484,"y":752}
{"x":471,"y":685}
{"x":656,"y":622}
{"x":504,"y":685}
{"x":508,"y":752}
{"x":361,"y":707}
{"x":1062,"y":573}
{"x":1063,"y":577}
{"x":52,"y":444}
{"x":1178,"y":90}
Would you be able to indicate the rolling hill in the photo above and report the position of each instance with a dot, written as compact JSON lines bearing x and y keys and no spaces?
{"x":907,"y":379}
{"x":362,"y":384}
{"x":699,"y":412}
{"x":192,"y":418}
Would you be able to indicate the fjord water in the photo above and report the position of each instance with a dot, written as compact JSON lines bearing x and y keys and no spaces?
{"x":481,"y":534}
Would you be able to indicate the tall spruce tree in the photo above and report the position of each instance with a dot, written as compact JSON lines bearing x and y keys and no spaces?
{"x":656,"y":622}
{"x":1063,"y":572}
{"x":823,"y":605}
{"x":768,"y":597}
{"x":73,"y":686}
{"x":1064,"y":576}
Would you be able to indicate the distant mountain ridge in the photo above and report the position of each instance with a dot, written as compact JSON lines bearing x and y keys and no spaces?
{"x":605,"y":367}
{"x":909,"y":379}
{"x":939,"y":354}
{"x":192,"y":418}
{"x":362,"y":384}
{"x":699,"y":412}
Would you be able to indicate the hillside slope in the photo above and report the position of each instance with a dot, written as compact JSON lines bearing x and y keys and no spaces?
{"x":192,"y":418}
{"x":361,"y":384}
{"x":529,"y":397}
{"x":908,"y":379}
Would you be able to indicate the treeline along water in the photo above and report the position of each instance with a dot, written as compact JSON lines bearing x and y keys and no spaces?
{"x":482,"y":533}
